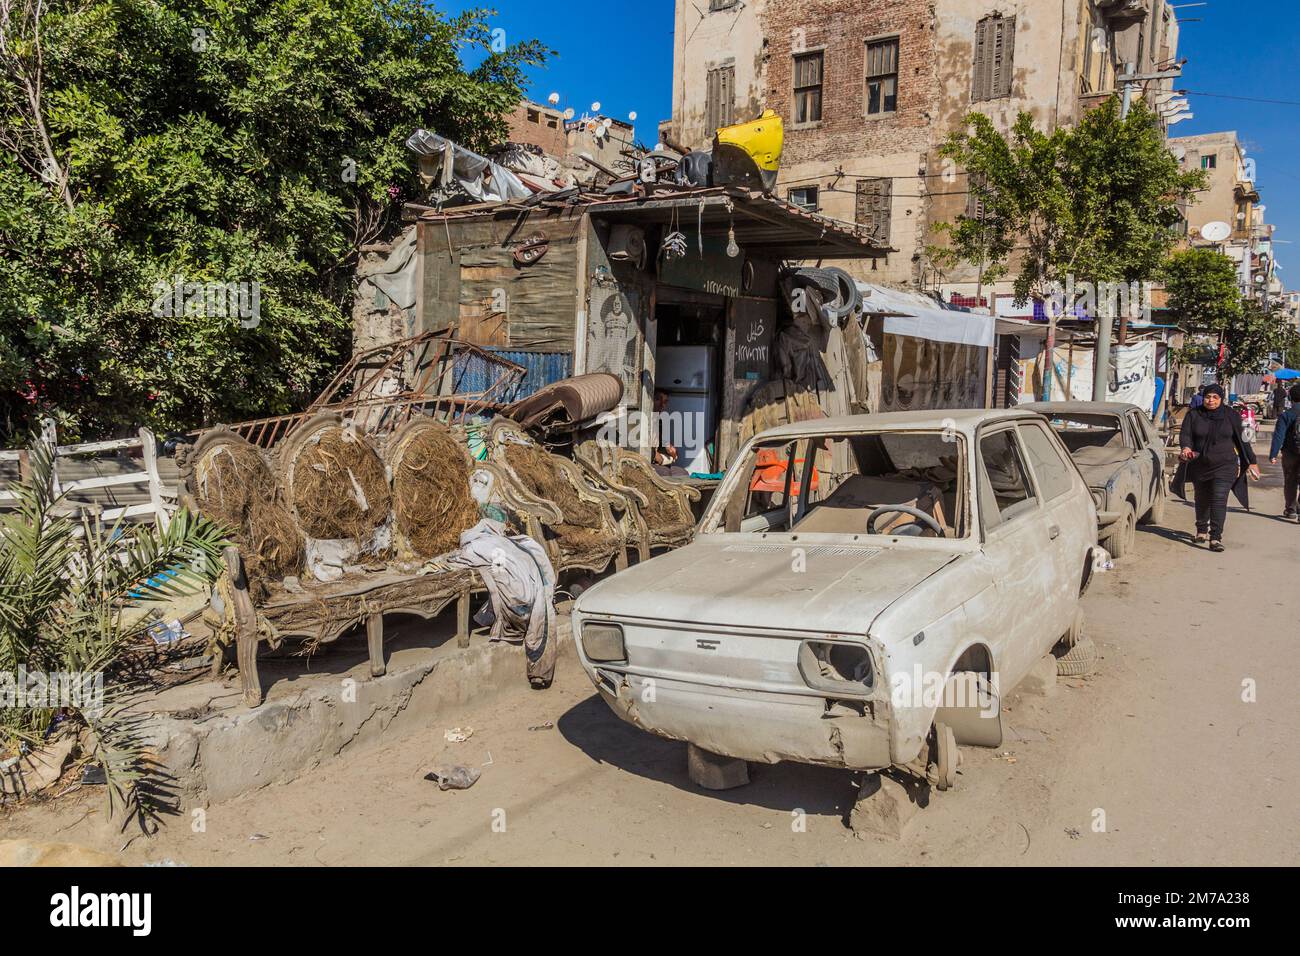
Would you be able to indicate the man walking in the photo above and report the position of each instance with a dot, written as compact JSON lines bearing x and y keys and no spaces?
{"x":1286,"y":441}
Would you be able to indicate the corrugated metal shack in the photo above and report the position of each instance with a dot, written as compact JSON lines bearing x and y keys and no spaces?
{"x":678,"y":282}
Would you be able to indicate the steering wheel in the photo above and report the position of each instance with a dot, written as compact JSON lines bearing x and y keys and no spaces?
{"x":917,"y":513}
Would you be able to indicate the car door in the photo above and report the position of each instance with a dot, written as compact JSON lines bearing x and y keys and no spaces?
{"x":1151,"y":455}
{"x":1018,"y":546}
{"x":1069,"y":523}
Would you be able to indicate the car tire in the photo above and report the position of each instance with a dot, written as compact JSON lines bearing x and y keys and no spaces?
{"x":1074,"y":635}
{"x":1122,"y":535}
{"x":1159,"y":505}
{"x":1079,"y":661}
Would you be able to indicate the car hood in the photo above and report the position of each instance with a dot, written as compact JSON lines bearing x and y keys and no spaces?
{"x":740,"y":583}
{"x":1098,"y":464}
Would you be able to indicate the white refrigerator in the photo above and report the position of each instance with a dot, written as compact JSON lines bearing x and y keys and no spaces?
{"x":685,"y":372}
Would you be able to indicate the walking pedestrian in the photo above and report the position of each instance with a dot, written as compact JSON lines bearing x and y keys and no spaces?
{"x":1286,"y":442}
{"x":1216,"y":459}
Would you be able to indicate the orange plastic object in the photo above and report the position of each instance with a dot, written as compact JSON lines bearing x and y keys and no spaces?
{"x":769,"y":473}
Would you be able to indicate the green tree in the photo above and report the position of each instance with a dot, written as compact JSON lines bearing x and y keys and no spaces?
{"x":1095,"y":202}
{"x":1203,"y":290}
{"x":1252,"y":335}
{"x":145,"y":142}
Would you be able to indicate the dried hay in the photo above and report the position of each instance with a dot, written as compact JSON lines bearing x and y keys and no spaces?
{"x":663,"y":511}
{"x":229,"y":479}
{"x":340,"y":487}
{"x":431,"y":496}
{"x":235,"y":486}
{"x":582,"y":528}
{"x":273,"y":540}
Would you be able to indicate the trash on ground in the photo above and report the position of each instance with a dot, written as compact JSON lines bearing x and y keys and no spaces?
{"x":454,"y":777}
{"x":457,"y":735}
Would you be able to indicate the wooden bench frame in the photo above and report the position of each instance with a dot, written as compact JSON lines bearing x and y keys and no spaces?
{"x":324,"y":611}
{"x":589,"y":487}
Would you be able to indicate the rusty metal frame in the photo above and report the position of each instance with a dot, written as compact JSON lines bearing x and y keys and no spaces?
{"x":431,"y":357}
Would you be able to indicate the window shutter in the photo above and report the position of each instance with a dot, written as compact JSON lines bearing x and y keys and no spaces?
{"x":980,"y":87}
{"x":1005,"y":60}
{"x":994,"y":68}
{"x":874,"y":201}
{"x":727,"y":83}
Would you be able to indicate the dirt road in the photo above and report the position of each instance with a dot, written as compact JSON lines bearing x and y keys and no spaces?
{"x":1164,"y":757}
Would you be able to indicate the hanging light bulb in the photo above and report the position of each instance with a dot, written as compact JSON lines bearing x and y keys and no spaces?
{"x":733,"y":250}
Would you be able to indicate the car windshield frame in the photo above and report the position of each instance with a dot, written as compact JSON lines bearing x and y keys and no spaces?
{"x":713,"y":524}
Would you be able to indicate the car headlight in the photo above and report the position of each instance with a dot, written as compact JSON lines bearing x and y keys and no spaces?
{"x":1099,"y":499}
{"x":603,"y":642}
{"x":832,"y":666}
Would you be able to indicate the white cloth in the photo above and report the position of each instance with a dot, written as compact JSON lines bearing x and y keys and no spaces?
{"x":521,"y":586}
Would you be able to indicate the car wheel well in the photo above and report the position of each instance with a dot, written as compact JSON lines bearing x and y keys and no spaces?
{"x":1087,"y":572}
{"x":976,"y":658}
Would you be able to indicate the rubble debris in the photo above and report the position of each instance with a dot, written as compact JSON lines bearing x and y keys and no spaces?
{"x":457,"y":736}
{"x":456,"y":777}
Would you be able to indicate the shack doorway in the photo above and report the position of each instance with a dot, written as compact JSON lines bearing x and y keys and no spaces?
{"x":689,"y":349}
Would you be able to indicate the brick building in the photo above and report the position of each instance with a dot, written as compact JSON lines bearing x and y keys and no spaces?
{"x":869,"y":90}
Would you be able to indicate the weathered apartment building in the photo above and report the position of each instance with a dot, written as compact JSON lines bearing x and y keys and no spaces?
{"x":1227,"y":214}
{"x":870,"y":89}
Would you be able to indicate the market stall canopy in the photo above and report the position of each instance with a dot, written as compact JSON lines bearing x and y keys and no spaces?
{"x":919,"y":316}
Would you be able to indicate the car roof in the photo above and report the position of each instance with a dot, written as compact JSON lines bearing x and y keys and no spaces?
{"x":964,"y":419}
{"x":1081,"y":408}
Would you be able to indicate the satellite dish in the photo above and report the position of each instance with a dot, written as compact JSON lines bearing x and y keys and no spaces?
{"x":1215,"y":231}
{"x":595,"y":107}
{"x":568,"y":114}
{"x":632,"y":116}
{"x":553,"y":99}
{"x":1180,"y":153}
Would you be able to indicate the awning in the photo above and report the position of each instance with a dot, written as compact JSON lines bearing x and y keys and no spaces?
{"x":918,"y":316}
{"x":759,"y":223}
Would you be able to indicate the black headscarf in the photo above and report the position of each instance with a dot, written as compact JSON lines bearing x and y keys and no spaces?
{"x":1219,"y":412}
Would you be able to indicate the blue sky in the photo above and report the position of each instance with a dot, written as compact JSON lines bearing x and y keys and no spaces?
{"x":620,"y":52}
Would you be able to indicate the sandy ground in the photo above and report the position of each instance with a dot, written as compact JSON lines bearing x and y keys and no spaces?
{"x":1157,"y":759}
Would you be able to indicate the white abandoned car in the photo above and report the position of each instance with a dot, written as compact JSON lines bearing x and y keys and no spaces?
{"x":1121,"y":458}
{"x":851,"y":576}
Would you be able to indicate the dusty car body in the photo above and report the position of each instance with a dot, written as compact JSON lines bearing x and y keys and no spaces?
{"x":1121,"y":456}
{"x":787,"y":630}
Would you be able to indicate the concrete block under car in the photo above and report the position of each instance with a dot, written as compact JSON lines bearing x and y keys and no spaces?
{"x":714,"y":771}
{"x":885,"y":808}
{"x":1041,"y":679}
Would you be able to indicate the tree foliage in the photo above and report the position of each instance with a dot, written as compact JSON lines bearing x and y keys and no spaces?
{"x":1205,"y":299}
{"x":1203,"y":291}
{"x":219,"y":141}
{"x":1097,"y":201}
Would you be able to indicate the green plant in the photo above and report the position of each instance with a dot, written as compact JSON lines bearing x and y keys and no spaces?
{"x":1096,"y":202}
{"x":259,"y":143}
{"x":65,"y":589}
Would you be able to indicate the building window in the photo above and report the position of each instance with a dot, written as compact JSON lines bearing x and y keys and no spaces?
{"x":882,"y":76}
{"x":974,"y":205}
{"x":805,"y":197}
{"x":1210,"y":162}
{"x":995,"y":47}
{"x":535,"y":117}
{"x":808,"y":87}
{"x":720,"y":98}
{"x":552,"y":121}
{"x":872,"y":208}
